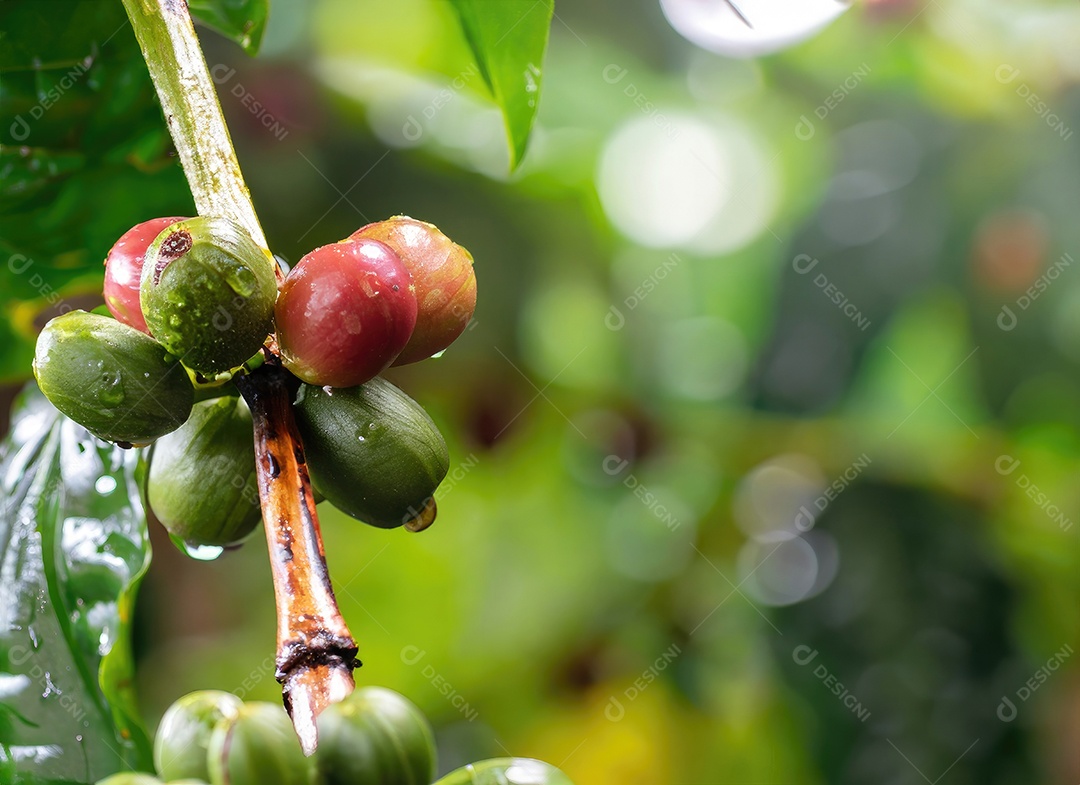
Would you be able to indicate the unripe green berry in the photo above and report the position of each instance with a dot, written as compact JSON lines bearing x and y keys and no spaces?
{"x":183,"y":735}
{"x":373,"y":452}
{"x":375,"y":735}
{"x":202,"y":484}
{"x":208,"y":293}
{"x":506,"y":771}
{"x":258,"y":746}
{"x":130,"y":778}
{"x":116,"y":382}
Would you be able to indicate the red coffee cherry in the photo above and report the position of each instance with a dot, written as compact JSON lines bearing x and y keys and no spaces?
{"x":344,"y":313}
{"x":123,"y":271}
{"x":443,"y":281}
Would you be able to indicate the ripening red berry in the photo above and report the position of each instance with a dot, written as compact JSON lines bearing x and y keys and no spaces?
{"x":123,"y":271}
{"x":443,"y":281}
{"x":345,"y":311}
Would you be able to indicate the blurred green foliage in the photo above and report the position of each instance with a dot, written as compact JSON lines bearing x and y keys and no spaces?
{"x":698,"y":479}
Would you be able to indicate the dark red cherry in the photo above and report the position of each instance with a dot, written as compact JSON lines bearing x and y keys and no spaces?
{"x":344,"y":313}
{"x":123,"y":271}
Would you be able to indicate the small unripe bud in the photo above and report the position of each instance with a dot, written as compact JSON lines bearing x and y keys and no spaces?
{"x":258,"y":746}
{"x":183,"y":735}
{"x":130,"y":778}
{"x":202,"y":484}
{"x":116,"y":382}
{"x":208,"y":292}
{"x":443,"y":279}
{"x":506,"y":771}
{"x":375,"y":735}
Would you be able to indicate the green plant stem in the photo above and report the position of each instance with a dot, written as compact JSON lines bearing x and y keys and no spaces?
{"x":190,"y":103}
{"x":316,"y":652}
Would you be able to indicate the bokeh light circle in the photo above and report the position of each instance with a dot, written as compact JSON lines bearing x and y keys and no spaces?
{"x":691,"y":183}
{"x":746,"y":28}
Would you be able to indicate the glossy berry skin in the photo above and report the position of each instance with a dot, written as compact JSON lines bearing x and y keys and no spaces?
{"x":507,"y":771}
{"x":344,"y":313}
{"x":123,"y":270}
{"x":130,"y":778}
{"x":116,"y":382}
{"x":207,"y":293}
{"x":183,"y":736}
{"x":373,"y":736}
{"x":257,"y":746}
{"x":373,"y":452}
{"x":202,"y":484}
{"x":444,"y":282}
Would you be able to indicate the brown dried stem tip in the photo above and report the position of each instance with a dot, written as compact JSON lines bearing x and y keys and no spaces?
{"x":316,"y":652}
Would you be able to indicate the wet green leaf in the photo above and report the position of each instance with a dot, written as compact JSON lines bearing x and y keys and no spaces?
{"x":74,"y":547}
{"x":244,"y":21}
{"x":508,"y":39}
{"x":85,"y":156}
{"x":34,"y":37}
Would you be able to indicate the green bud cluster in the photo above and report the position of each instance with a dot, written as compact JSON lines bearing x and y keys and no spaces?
{"x":373,"y":737}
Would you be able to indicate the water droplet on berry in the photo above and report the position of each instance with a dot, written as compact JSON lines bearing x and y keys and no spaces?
{"x":112,"y":391}
{"x":242,"y":281}
{"x":203,"y":552}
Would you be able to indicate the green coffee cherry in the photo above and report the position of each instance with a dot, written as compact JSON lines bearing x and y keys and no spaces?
{"x":375,"y":736}
{"x":506,"y":771}
{"x":130,"y":778}
{"x":208,"y":292}
{"x":373,"y":452}
{"x":183,"y":735}
{"x":258,"y":746}
{"x":116,"y":382}
{"x":202,"y":484}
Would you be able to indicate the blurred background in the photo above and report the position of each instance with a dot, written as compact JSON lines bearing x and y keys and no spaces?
{"x":764,"y":437}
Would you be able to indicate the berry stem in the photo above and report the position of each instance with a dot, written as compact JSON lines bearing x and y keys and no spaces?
{"x":190,"y":104}
{"x":316,"y":652}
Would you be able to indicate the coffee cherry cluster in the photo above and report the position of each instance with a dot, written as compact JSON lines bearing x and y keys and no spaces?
{"x":196,"y":301}
{"x":394,"y":292}
{"x":373,"y":737}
